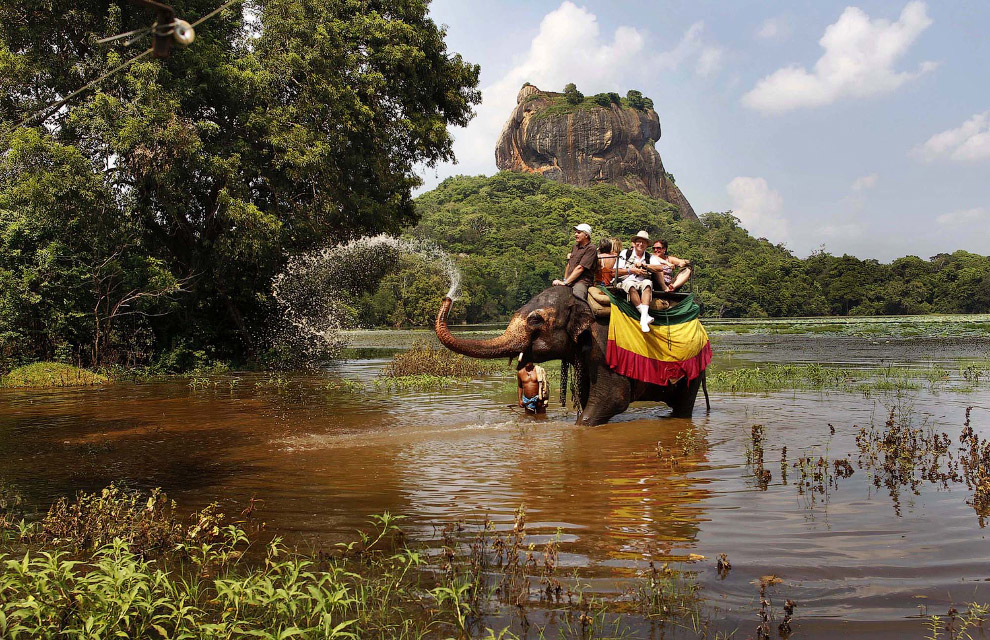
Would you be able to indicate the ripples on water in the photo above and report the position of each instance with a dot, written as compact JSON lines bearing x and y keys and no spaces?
{"x":323,"y":460}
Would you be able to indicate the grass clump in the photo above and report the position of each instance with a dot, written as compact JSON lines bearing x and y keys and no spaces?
{"x":418,"y":382}
{"x":425,"y":358}
{"x":774,"y":377}
{"x":816,"y":377}
{"x":52,"y":374}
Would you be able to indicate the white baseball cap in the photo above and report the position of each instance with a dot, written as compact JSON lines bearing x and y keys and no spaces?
{"x":584,"y":227}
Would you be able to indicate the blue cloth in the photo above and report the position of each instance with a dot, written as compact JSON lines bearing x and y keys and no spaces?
{"x":531,"y":403}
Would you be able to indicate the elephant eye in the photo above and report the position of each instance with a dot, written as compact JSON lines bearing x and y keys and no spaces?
{"x":534,"y":320}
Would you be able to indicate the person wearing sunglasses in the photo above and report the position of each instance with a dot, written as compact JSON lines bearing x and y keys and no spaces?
{"x":667,"y":265}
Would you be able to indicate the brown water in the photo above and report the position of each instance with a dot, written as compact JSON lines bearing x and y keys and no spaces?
{"x":323,"y":460}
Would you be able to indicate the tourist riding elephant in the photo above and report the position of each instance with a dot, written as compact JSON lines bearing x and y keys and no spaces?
{"x":555,"y":325}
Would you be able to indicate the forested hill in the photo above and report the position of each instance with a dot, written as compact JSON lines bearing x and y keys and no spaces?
{"x":510,"y":233}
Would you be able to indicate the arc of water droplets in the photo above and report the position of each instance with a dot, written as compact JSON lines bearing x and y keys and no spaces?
{"x":313,"y":289}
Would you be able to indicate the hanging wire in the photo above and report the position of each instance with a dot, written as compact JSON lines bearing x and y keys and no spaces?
{"x":52,"y":108}
{"x":137,"y":33}
{"x":215,"y":12}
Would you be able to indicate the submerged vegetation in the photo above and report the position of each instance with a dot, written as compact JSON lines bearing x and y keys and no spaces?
{"x":903,"y":454}
{"x":771,"y":377}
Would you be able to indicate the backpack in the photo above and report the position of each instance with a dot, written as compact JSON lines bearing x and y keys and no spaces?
{"x":626,"y":253}
{"x":648,"y":257}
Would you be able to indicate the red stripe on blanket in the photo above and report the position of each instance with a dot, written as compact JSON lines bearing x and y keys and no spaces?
{"x":638,"y":367}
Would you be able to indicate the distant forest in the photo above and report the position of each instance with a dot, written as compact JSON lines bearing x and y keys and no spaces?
{"x":510,"y":233}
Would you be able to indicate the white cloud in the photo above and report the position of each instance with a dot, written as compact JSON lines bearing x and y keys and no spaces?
{"x":968,"y":142}
{"x":964,"y":217}
{"x":774,"y":29}
{"x":709,"y":61}
{"x":570,"y":47}
{"x":758,"y":207}
{"x":858,"y":62}
{"x":866,"y":182}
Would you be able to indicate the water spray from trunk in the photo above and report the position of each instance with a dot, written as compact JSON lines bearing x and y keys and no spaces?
{"x":316,"y":292}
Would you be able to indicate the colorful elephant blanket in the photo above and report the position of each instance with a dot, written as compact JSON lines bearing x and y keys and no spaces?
{"x":676,"y":346}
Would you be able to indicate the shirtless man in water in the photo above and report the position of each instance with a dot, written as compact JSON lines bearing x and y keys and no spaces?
{"x":532,"y":394}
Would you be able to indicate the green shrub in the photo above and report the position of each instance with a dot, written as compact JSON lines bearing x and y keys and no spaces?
{"x":602,"y":99}
{"x":572,"y":95}
{"x":635,"y":99}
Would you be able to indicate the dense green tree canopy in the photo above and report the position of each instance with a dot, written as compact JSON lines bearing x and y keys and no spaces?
{"x":198,"y":175}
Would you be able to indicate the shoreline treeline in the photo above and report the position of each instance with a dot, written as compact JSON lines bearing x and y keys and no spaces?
{"x":509,"y":234}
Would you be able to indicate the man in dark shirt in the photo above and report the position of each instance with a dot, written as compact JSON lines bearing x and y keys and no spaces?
{"x":581,"y":265}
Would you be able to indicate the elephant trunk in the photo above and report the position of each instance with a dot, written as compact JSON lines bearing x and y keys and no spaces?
{"x":514,"y":340}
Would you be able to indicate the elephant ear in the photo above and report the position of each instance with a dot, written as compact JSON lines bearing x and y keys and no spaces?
{"x":579,"y":323}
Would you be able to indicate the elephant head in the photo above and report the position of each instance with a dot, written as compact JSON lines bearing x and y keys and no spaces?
{"x":554,"y":325}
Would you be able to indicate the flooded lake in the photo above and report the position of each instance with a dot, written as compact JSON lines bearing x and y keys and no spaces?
{"x":861,"y":558}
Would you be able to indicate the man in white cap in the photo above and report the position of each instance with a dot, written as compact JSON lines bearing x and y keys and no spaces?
{"x":581,"y":263}
{"x":634,"y":269}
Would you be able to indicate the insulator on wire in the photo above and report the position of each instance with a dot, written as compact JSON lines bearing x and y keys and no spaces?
{"x":183,"y":33}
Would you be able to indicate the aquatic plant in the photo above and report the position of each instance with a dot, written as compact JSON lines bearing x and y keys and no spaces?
{"x":345,"y":385}
{"x":959,"y":625}
{"x":901,"y":454}
{"x":888,"y":380}
{"x":417,"y":382}
{"x":774,"y":377}
{"x":767,"y":613}
{"x":145,"y":522}
{"x":669,"y":594}
{"x":816,"y":377}
{"x":974,"y":371}
{"x":11,"y":511}
{"x":754,"y":457}
{"x":273,"y":380}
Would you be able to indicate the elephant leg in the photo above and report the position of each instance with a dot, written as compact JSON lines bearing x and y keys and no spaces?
{"x":682,"y":398}
{"x":609,"y":394}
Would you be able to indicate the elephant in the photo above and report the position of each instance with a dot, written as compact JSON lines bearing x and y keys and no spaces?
{"x":554,"y":325}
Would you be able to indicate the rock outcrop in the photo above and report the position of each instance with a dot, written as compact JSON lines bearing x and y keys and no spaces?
{"x":585,"y":145}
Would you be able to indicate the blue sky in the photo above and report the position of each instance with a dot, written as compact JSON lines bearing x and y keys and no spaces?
{"x":863,"y":128}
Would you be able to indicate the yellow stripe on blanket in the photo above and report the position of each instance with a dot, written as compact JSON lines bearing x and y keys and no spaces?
{"x":672,"y":343}
{"x":668,"y":353}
